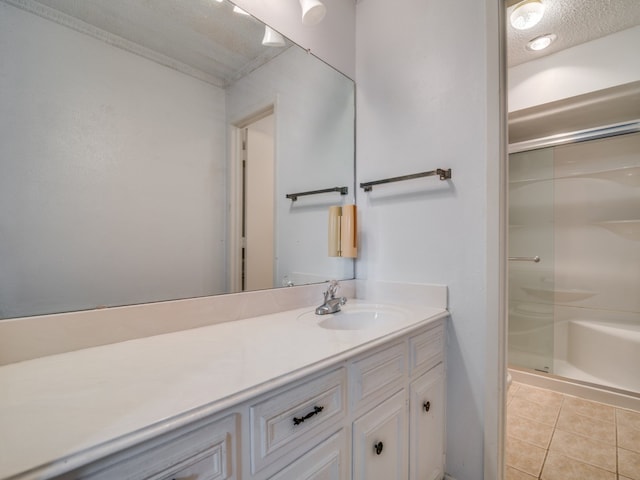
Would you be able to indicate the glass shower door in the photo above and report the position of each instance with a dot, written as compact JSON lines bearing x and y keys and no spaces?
{"x":531,"y":260}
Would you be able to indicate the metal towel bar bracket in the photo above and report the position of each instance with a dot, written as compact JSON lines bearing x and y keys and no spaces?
{"x":441,"y":172}
{"x":294,"y":196}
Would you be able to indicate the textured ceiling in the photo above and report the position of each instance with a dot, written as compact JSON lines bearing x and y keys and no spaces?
{"x":574,"y":22}
{"x":204,"y":35}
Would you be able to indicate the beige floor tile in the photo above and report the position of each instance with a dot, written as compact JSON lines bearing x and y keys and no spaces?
{"x":513,"y":474}
{"x":534,"y":411}
{"x":628,"y":417}
{"x":584,"y":450}
{"x":528,"y":430}
{"x":620,"y":477}
{"x":629,"y":464}
{"x":540,"y":396}
{"x":559,"y":467}
{"x":602,"y":431}
{"x":587,"y":408}
{"x":628,"y":437}
{"x":524,"y":456}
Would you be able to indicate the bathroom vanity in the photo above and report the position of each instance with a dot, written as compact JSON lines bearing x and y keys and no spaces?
{"x":277,"y":396}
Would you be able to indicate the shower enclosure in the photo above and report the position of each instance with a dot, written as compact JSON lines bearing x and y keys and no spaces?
{"x":576,"y":205}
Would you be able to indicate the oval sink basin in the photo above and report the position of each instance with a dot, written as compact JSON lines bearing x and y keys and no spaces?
{"x":357,"y":318}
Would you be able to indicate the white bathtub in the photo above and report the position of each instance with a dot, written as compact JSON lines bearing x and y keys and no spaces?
{"x":605,"y":352}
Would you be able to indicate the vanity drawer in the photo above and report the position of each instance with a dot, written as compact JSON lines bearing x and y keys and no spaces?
{"x":290,"y":421}
{"x":426,"y":350}
{"x":207,"y":451}
{"x":212,"y":464}
{"x":329,"y":460}
{"x":376,"y":376}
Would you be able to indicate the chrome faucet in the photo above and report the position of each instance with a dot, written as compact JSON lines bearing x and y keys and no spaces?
{"x":331,"y":303}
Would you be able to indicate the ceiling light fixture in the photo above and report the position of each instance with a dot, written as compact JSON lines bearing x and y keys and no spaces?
{"x":313,"y":11}
{"x":541,"y":42}
{"x":237,"y":9}
{"x":527,"y":14}
{"x":272,"y":38}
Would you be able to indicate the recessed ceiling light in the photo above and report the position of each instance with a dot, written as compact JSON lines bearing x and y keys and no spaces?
{"x":541,"y":42}
{"x":527,"y":14}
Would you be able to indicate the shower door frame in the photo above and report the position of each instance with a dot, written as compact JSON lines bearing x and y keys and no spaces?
{"x":623,"y":398}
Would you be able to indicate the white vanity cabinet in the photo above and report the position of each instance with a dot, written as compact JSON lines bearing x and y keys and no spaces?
{"x":402,"y":436}
{"x":380,"y":441}
{"x":426,"y":425}
{"x":289,"y":422}
{"x":328,"y":461}
{"x":376,"y":415}
{"x":206,"y":450}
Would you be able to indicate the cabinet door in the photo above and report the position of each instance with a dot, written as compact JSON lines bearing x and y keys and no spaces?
{"x":380,"y":441}
{"x":426,"y":425}
{"x":327,"y":461}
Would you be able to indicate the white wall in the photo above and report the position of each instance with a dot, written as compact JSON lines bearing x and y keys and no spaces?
{"x":332,"y":40}
{"x":428,"y":96}
{"x":78,"y":117}
{"x":602,"y":63}
{"x":306,"y":93}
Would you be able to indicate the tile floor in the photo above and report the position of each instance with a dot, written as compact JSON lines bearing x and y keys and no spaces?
{"x":551,"y":436}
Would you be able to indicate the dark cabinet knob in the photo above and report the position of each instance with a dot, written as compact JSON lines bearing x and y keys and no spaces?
{"x":378,"y":447}
{"x":426,"y":406}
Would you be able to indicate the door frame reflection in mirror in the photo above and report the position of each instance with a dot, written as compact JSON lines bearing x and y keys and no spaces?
{"x":241,"y":203}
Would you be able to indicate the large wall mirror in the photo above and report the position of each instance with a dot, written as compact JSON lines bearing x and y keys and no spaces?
{"x":147,"y":149}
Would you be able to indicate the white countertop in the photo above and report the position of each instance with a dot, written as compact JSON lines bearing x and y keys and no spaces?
{"x":61,"y":411}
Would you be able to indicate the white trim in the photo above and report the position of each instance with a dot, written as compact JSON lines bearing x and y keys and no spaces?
{"x":576,"y":388}
{"x":234,"y":259}
{"x":496,"y":246}
{"x":236,"y":195}
{"x":575,"y":137}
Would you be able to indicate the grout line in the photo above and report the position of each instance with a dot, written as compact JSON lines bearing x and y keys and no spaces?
{"x":615,"y":421}
{"x":553,"y":433}
{"x":555,"y":428}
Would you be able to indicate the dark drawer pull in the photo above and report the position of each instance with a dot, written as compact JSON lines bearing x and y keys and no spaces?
{"x":426,"y":406}
{"x":316,"y":410}
{"x":378,"y":447}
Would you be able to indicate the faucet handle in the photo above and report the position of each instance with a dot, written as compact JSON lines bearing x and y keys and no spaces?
{"x":333,"y":288}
